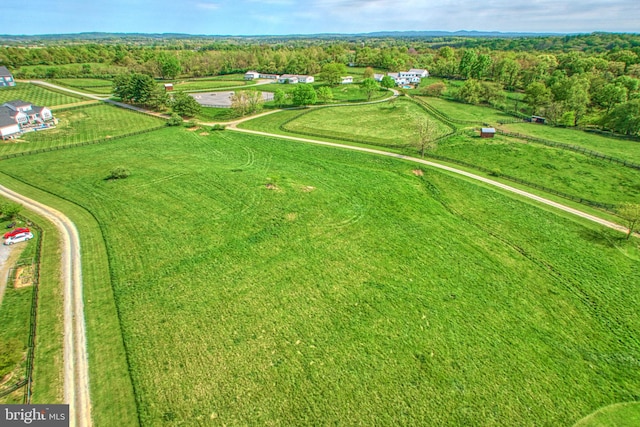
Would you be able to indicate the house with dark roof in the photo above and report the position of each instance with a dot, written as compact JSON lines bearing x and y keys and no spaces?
{"x":17,"y":117}
{"x":6,"y":78}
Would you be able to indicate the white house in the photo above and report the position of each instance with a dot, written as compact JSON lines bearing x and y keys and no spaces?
{"x":20,"y":116}
{"x":288,"y":78}
{"x":251,"y":75}
{"x":413,"y":75}
{"x":347,"y":80}
{"x":269,"y":76}
{"x":378,"y":77}
{"x":306,"y":79}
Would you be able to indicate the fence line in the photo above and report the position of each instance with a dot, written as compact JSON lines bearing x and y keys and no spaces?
{"x":605,"y":206}
{"x":574,"y":148}
{"x":79,"y":144}
{"x":28,"y":377}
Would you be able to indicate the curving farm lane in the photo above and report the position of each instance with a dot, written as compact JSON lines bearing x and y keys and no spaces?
{"x":76,"y":367}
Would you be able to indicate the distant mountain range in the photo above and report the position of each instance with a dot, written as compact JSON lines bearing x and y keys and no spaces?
{"x":398,"y":34}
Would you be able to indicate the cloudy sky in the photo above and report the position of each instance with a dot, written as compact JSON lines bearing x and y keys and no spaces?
{"x":252,"y":17}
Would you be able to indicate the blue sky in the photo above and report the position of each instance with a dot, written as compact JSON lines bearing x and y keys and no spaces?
{"x":251,"y":17}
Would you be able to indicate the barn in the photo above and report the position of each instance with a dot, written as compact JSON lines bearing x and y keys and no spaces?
{"x":487,"y":132}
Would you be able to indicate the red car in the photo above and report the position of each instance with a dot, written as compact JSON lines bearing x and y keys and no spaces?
{"x":15,"y":232}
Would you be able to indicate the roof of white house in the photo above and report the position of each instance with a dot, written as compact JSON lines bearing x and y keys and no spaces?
{"x":417,"y":70}
{"x":168,"y":85}
{"x":4,"y":71}
{"x":488,"y":130}
{"x":18,"y":103}
{"x":252,"y":72}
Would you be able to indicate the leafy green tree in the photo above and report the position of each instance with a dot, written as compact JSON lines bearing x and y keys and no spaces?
{"x":470,"y":92}
{"x":168,"y":65}
{"x":624,"y":118}
{"x":122,"y":87}
{"x":467,"y":62}
{"x":333,"y":72}
{"x":279,"y":97}
{"x":537,"y":95}
{"x":369,"y":87}
{"x":434,"y":89}
{"x":185,"y":105}
{"x":175,"y":120}
{"x":481,"y":66}
{"x":610,"y":95}
{"x":368,"y":73}
{"x":10,"y":210}
{"x":325,"y":94}
{"x":425,"y":131}
{"x":388,"y":82}
{"x":304,"y":95}
{"x":630,"y":213}
{"x":578,"y":99}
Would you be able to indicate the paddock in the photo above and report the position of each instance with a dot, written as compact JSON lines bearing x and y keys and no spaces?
{"x":221,"y":99}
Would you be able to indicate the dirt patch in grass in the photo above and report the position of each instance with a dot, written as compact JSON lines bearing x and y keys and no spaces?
{"x":24,"y":276}
{"x":308,"y":188}
{"x":418,"y":172}
{"x":193,"y":129}
{"x":271,"y":186}
{"x":203,"y":133}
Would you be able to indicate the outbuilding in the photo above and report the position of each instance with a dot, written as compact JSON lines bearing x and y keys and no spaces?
{"x":487,"y":132}
{"x":168,"y":87}
{"x":6,"y":78}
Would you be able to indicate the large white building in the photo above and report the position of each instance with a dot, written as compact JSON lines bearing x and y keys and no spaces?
{"x":18,"y":116}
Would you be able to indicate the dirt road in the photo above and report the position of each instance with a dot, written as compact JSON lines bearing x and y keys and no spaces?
{"x":448,"y":169}
{"x":76,"y":368}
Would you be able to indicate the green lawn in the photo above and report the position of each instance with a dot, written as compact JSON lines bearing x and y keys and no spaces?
{"x":208,"y":84}
{"x":618,"y":415}
{"x":389,"y":125}
{"x":15,"y":312}
{"x":460,"y":111}
{"x":36,"y":95}
{"x":615,"y":147}
{"x":83,"y":125}
{"x":561,"y":170}
{"x":98,"y":86}
{"x":261,"y":281}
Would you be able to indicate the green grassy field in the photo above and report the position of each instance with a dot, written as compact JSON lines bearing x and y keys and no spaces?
{"x":460,"y":111}
{"x":97,"y":86}
{"x":618,"y":415}
{"x":261,"y":281}
{"x":83,"y":125}
{"x":15,"y":312}
{"x":615,"y":147}
{"x":36,"y":95}
{"x":377,"y":124}
{"x":208,"y":84}
{"x":565,"y":171}
{"x":47,"y":372}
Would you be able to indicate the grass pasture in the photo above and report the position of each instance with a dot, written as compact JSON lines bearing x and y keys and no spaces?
{"x":97,"y":86}
{"x":562,"y":170}
{"x":615,"y":147}
{"x":460,"y":111}
{"x":82,"y":125}
{"x":376,"y":124}
{"x":261,"y":281}
{"x":37,"y":95}
{"x":209,"y":84}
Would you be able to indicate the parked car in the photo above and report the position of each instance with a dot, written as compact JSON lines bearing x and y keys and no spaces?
{"x":18,"y":230}
{"x":22,"y":237}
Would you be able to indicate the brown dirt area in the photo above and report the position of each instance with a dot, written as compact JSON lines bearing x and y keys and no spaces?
{"x":418,"y":172}
{"x":23,"y":277}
